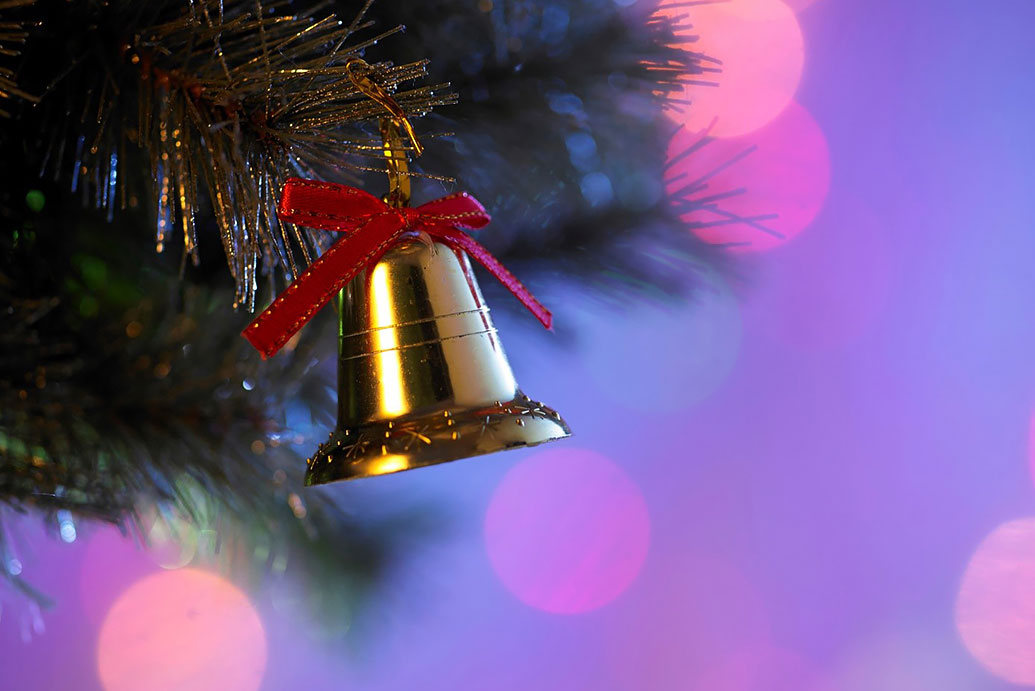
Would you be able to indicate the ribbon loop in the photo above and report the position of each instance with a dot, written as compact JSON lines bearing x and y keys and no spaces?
{"x":370,"y":228}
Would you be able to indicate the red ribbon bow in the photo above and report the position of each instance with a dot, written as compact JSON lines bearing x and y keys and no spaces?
{"x":371,"y":227}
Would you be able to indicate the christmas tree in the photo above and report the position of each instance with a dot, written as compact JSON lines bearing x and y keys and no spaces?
{"x":145,"y":146}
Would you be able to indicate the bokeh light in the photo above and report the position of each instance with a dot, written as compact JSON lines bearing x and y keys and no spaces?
{"x":173,"y":542}
{"x":185,"y":629}
{"x":637,"y":370}
{"x":995,"y":608}
{"x":760,"y":45}
{"x":35,"y":200}
{"x":786,"y":175}
{"x":113,"y":561}
{"x":567,"y":531}
{"x":799,"y":5}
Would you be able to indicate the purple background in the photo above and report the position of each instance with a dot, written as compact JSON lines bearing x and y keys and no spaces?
{"x":820,"y":456}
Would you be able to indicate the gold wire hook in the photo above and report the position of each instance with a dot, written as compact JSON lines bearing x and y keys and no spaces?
{"x":358,"y":71}
{"x":396,"y":161}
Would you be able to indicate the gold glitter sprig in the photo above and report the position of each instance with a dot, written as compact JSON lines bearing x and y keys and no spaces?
{"x":229,"y":98}
{"x":13,"y":35}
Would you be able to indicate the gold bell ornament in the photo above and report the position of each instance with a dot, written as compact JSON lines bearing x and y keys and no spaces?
{"x":422,"y":376}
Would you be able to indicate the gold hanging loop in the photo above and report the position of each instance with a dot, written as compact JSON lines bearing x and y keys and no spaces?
{"x":359,"y":73}
{"x":392,"y":128}
{"x":397,"y":165}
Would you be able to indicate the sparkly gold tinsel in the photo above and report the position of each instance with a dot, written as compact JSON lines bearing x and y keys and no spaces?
{"x":13,"y":35}
{"x":230,"y":98}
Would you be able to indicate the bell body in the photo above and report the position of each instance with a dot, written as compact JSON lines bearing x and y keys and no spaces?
{"x":422,"y":376}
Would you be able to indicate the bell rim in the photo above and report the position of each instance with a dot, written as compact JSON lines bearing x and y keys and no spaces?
{"x":392,"y":446}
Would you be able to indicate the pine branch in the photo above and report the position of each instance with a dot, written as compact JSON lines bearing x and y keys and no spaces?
{"x":13,"y":35}
{"x":124,"y":396}
{"x":125,"y":387}
{"x":561,"y":131}
{"x":225,"y":99}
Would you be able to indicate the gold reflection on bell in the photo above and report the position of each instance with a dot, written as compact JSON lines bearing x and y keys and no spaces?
{"x":422,"y":376}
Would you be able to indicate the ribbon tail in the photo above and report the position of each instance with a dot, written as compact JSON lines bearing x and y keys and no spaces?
{"x":319,"y":283}
{"x":468,"y":244}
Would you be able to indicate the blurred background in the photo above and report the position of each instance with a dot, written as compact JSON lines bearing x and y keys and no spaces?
{"x":815,"y":475}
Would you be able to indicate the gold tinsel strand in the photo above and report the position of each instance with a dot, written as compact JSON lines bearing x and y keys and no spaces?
{"x":230,"y":98}
{"x":13,"y":35}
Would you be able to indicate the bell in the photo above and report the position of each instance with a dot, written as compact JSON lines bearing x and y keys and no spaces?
{"x":422,"y":376}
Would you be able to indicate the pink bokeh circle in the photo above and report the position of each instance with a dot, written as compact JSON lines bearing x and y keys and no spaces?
{"x":784,"y":180}
{"x":760,"y":46}
{"x":567,"y":531}
{"x":995,"y":607}
{"x":184,"y":629}
{"x":799,"y":5}
{"x":113,"y":561}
